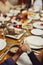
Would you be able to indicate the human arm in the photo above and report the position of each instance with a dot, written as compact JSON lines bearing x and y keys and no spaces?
{"x":12,"y":60}
{"x":34,"y":59}
{"x":36,"y":56}
{"x":11,"y":6}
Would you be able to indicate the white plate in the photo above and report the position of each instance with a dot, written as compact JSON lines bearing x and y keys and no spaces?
{"x":1,"y":19}
{"x":35,"y":47}
{"x":15,"y":12}
{"x":25,"y":11}
{"x":30,"y":9}
{"x":34,"y":41}
{"x":41,"y":11}
{"x":41,"y":14}
{"x":38,"y":25}
{"x":9,"y":14}
{"x":0,"y":24}
{"x":37,"y":32}
{"x":2,"y":44}
{"x":13,"y":20}
{"x":17,"y":22}
{"x":7,"y":18}
{"x":35,"y":10}
{"x":41,"y":18}
{"x":11,"y":11}
{"x":23,"y":60}
{"x":36,"y":17}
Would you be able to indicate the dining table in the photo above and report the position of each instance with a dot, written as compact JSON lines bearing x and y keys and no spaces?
{"x":11,"y":41}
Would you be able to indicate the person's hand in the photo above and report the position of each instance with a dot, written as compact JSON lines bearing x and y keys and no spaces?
{"x":24,"y":47}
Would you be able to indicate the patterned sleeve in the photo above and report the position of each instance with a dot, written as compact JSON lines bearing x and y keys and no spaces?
{"x":9,"y":61}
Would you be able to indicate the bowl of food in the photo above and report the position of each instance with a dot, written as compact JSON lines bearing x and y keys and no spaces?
{"x":14,"y":49}
{"x":21,"y":16}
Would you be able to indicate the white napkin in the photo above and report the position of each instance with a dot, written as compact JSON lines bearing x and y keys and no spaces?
{"x":24,"y":60}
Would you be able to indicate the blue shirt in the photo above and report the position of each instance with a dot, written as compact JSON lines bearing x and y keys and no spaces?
{"x":9,"y":61}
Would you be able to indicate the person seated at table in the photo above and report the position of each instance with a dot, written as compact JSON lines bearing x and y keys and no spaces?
{"x":28,"y":4}
{"x":13,"y":2}
{"x":30,"y":53}
{"x":38,"y":4}
{"x":5,"y":6}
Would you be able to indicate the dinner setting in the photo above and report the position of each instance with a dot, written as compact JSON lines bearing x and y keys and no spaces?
{"x":21,"y":32}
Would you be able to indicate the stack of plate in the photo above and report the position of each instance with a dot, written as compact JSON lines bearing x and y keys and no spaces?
{"x":35,"y":42}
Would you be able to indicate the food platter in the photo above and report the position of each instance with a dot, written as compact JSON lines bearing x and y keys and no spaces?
{"x":17,"y":34}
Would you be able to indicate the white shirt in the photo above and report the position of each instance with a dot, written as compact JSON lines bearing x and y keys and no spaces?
{"x":37,"y":4}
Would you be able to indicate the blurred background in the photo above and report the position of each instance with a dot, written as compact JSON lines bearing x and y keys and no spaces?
{"x":17,"y":1}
